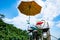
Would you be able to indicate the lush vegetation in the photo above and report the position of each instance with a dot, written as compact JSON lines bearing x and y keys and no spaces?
{"x":10,"y":32}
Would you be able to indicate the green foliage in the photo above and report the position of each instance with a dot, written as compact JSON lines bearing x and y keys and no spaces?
{"x":1,"y":16}
{"x":10,"y":32}
{"x":39,"y":32}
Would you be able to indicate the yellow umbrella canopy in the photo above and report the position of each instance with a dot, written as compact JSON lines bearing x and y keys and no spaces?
{"x":29,"y":8}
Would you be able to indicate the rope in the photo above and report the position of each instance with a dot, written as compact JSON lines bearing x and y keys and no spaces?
{"x":54,"y":37}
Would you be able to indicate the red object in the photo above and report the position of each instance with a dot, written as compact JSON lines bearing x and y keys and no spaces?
{"x":39,"y":23}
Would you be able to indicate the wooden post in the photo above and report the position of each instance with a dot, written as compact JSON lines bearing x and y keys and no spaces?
{"x":48,"y":34}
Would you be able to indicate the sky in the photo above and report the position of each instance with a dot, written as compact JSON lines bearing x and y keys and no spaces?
{"x":50,"y":12}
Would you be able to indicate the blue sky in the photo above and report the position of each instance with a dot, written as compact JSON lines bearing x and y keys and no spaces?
{"x":50,"y":12}
{"x":8,"y":8}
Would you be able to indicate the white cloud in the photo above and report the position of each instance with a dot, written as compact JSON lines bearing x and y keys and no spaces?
{"x":50,"y":9}
{"x":58,"y":24}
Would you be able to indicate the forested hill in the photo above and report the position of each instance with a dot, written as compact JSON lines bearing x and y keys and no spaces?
{"x":10,"y":32}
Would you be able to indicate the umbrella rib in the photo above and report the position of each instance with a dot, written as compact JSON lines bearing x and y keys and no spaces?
{"x":35,"y":11}
{"x":35,"y":8}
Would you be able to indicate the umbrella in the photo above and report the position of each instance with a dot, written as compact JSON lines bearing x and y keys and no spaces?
{"x":29,"y":8}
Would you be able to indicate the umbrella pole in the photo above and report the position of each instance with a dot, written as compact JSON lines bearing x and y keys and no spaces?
{"x":29,"y":21}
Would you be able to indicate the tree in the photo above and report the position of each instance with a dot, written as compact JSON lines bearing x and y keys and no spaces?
{"x":10,"y":32}
{"x":1,"y":16}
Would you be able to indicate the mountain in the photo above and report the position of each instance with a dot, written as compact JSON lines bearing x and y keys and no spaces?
{"x":10,"y":32}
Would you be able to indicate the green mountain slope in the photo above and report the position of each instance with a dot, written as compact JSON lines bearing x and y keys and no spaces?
{"x":10,"y":32}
